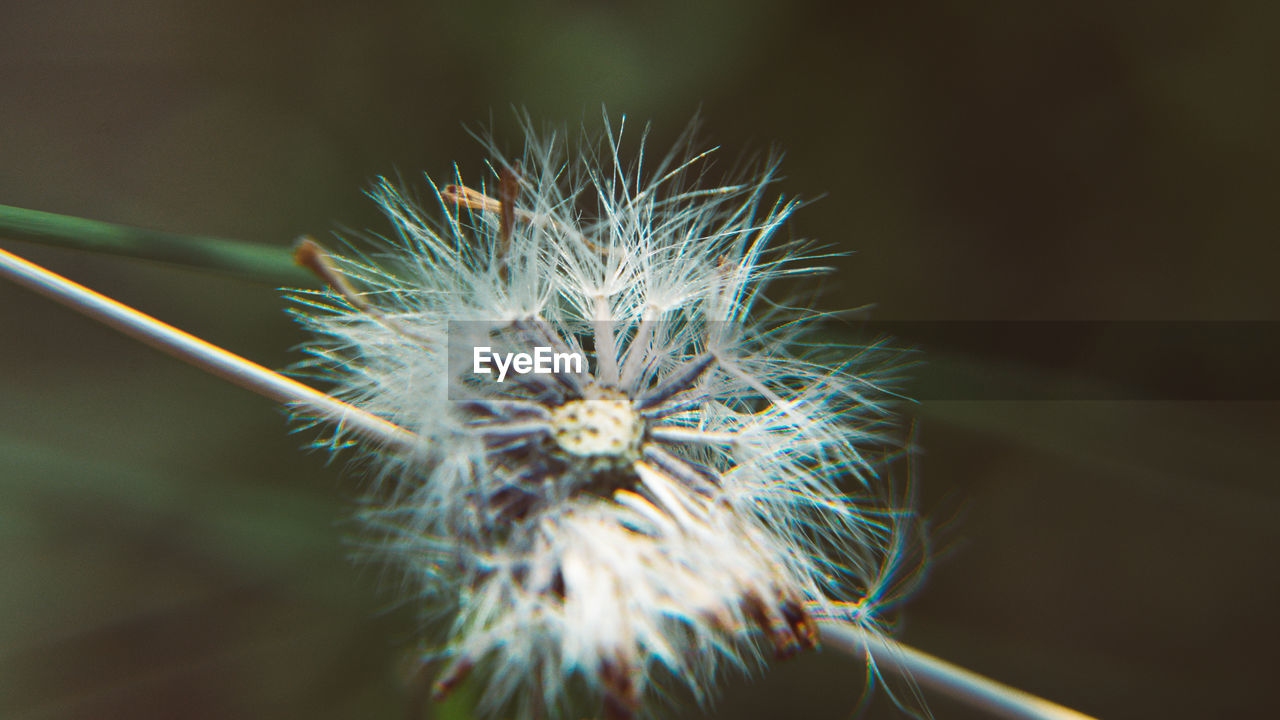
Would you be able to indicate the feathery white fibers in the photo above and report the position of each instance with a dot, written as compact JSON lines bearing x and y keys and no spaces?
{"x":742,"y":503}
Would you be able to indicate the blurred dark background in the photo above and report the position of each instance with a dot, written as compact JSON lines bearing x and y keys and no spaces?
{"x":167,"y":550}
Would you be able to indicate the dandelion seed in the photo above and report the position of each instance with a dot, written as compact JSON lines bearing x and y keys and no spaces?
{"x":650,"y":520}
{"x":699,"y":498}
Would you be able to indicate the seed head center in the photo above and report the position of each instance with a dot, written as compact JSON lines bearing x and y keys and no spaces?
{"x":606,"y":427}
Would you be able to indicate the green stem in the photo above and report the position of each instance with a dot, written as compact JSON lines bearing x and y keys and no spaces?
{"x":262,"y":263}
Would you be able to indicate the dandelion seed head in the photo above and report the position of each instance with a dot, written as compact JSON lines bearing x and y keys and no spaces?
{"x":692,"y":500}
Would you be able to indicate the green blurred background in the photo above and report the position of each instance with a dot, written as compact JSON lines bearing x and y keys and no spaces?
{"x":167,"y":550}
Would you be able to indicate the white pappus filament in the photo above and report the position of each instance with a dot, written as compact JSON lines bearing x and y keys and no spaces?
{"x":701,"y":497}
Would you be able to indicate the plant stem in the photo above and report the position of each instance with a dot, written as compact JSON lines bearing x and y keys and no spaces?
{"x":204,"y":355}
{"x":968,"y":687}
{"x":262,"y":263}
{"x":929,"y":671}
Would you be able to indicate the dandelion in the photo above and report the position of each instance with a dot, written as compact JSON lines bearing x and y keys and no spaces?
{"x":699,"y":492}
{"x":642,"y":523}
